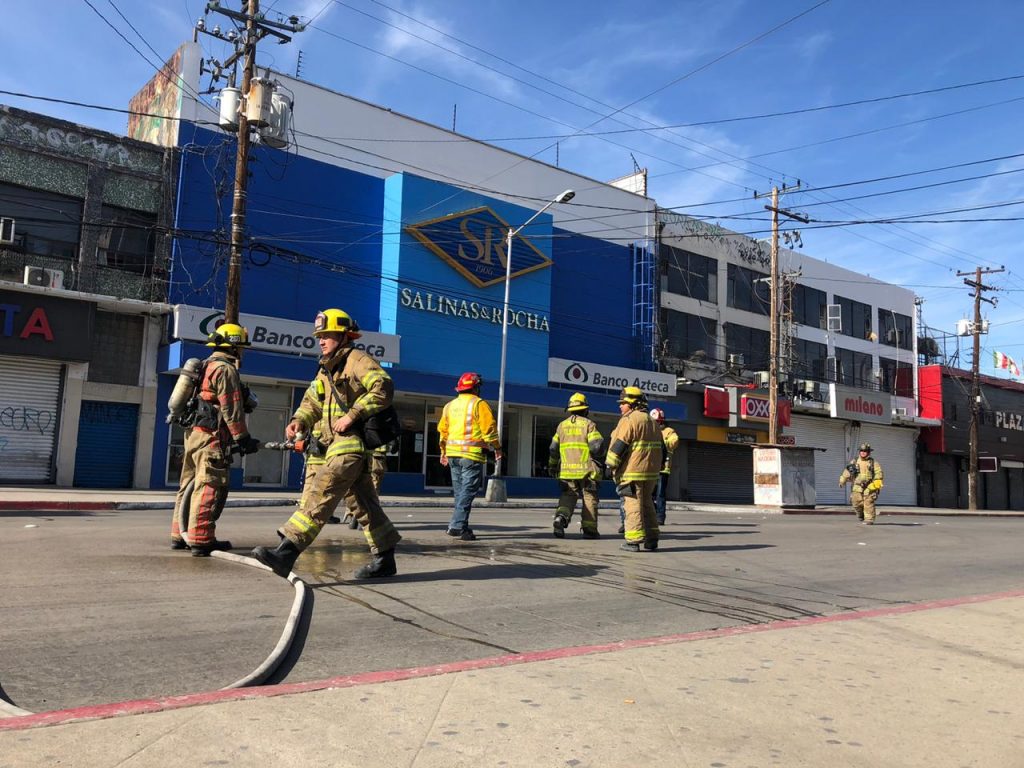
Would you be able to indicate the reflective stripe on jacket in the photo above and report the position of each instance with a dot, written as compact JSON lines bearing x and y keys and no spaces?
{"x":573,"y":448}
{"x":364,"y":389}
{"x":467,"y":428}
{"x":634,"y":448}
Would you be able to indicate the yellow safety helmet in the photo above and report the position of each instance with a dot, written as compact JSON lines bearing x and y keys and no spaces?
{"x":634,"y":396}
{"x":578,"y":403}
{"x":228,"y":335}
{"x":335,"y":321}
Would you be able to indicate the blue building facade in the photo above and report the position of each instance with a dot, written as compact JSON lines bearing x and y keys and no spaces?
{"x":420,"y":264}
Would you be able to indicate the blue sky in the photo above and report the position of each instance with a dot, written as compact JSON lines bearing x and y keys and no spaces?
{"x":521,"y":71}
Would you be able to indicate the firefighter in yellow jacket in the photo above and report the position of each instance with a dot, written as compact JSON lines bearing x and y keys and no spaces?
{"x":355,"y":387}
{"x":572,"y":459}
{"x":218,"y":423}
{"x":865,"y":473}
{"x":467,"y":430}
{"x":634,"y":457}
{"x":670,"y":440}
{"x":378,"y":468}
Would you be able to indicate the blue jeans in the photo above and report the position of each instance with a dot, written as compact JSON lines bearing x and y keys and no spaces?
{"x":467,"y":480}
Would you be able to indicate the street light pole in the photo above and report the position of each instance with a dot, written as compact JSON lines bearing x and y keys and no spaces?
{"x":496,"y":490}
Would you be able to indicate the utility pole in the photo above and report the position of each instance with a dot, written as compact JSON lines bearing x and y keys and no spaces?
{"x":256,"y":28}
{"x":978,"y":286}
{"x":773,"y":345}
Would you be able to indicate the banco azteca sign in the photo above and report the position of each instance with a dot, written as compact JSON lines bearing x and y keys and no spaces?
{"x":276,"y":334}
{"x":609,"y":377}
{"x":473,"y":243}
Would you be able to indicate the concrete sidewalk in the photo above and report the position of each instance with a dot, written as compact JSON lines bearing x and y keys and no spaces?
{"x":931,"y":685}
{"x":28,"y":499}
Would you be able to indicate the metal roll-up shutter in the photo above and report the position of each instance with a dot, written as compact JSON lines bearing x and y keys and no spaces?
{"x":896,"y":449}
{"x":1015,"y":476}
{"x":946,"y":479}
{"x":721,"y":473}
{"x":105,"y":455}
{"x":997,"y":489}
{"x":829,"y":434}
{"x":30,"y":397}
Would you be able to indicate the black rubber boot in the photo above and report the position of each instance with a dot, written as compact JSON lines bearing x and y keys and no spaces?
{"x":178,"y":544}
{"x":213,"y":546}
{"x":590,"y":534}
{"x":558,"y":526}
{"x":380,"y":566}
{"x":353,"y":522}
{"x":333,"y":520}
{"x":280,"y":560}
{"x":651,"y":546}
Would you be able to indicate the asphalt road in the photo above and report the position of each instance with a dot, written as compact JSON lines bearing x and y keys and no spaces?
{"x":97,"y":609}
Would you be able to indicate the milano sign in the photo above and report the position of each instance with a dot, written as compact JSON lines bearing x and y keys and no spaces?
{"x":860,"y":404}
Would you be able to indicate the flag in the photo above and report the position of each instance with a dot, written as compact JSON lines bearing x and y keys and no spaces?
{"x":1006,"y":363}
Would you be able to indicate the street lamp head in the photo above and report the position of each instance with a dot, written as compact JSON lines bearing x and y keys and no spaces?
{"x":565,"y":197}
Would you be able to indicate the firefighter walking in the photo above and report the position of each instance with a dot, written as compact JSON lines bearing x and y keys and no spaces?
{"x":576,"y":446}
{"x":216,"y":422}
{"x":670,"y":440}
{"x":634,"y":457}
{"x":355,"y":388}
{"x":865,"y":474}
{"x":467,"y":431}
{"x":378,"y":468}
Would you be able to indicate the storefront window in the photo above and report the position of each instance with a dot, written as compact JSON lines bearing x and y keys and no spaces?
{"x":175,"y":454}
{"x":267,"y":422}
{"x":543,"y":430}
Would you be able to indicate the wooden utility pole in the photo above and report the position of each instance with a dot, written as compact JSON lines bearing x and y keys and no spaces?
{"x":972,"y":471}
{"x":773,"y":344}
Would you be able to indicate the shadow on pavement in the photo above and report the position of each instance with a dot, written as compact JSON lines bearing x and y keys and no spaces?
{"x":480,"y":573}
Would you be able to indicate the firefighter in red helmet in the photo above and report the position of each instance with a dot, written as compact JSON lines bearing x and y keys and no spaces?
{"x":467,"y":431}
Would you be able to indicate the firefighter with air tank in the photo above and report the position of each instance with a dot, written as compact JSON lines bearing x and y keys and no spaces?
{"x":211,"y":402}
{"x":635,"y":458}
{"x":573,"y":454}
{"x":865,"y":474}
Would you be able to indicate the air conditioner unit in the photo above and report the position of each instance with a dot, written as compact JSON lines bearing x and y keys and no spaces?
{"x":899,"y":412}
{"x":891,"y":336}
{"x":6,"y":231}
{"x":807,"y":387}
{"x":736,"y":361}
{"x":44,"y":278}
{"x":761,"y":379}
{"x":834,"y":316}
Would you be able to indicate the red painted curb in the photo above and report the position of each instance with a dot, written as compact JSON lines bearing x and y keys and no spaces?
{"x":142,"y":706}
{"x":917,"y":512}
{"x":54,"y":506}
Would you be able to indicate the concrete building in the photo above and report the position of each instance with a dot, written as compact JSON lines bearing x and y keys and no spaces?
{"x":83,"y":278}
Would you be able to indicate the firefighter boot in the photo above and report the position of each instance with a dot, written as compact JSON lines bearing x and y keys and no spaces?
{"x":214,"y":546}
{"x":380,"y":566}
{"x":630,"y":546}
{"x":558,"y":526}
{"x":280,"y":560}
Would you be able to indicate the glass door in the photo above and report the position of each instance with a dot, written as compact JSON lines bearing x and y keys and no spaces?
{"x":435,"y":476}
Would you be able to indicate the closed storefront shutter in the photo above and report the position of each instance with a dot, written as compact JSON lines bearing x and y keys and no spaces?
{"x":105,"y":455}
{"x":830,"y":434}
{"x":721,"y":473}
{"x":895,"y":448}
{"x":30,"y":395}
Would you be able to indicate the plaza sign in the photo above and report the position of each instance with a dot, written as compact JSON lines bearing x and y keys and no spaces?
{"x":275,"y":334}
{"x":610,"y":377}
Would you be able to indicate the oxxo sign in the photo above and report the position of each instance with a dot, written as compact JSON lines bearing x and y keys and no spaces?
{"x":274,"y":334}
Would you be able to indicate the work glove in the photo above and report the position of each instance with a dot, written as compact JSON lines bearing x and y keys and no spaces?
{"x":247,"y":445}
{"x":875,"y":485}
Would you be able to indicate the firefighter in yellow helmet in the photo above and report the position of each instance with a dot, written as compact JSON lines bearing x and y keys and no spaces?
{"x":670,"y":440}
{"x":576,"y":446}
{"x":865,"y":473}
{"x":355,"y":388}
{"x":634,"y":456}
{"x":216,"y":424}
{"x":467,"y":430}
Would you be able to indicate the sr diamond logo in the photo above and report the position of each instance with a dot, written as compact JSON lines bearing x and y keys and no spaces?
{"x":473,"y":243}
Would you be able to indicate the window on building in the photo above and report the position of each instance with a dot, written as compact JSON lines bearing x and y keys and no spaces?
{"x":544,"y":428}
{"x":689,"y":274}
{"x":896,"y":377}
{"x":127,"y":240}
{"x":854,"y":369}
{"x":894,"y":329}
{"x":749,"y":290}
{"x":116,"y":349}
{"x":856,"y":318}
{"x":809,"y":306}
{"x":689,"y":336}
{"x":752,"y":343}
{"x":45,"y":224}
{"x":809,"y":360}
